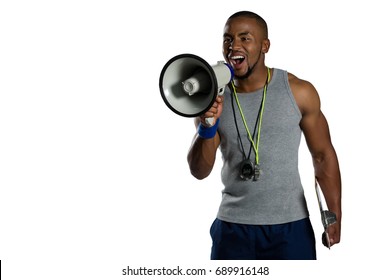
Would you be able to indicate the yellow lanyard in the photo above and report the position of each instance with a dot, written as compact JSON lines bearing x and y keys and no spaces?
{"x":255,"y":146}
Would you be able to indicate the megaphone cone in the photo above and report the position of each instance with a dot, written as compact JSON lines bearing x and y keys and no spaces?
{"x":189,"y":85}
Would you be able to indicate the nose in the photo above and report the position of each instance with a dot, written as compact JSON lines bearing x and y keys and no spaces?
{"x":234,"y":45}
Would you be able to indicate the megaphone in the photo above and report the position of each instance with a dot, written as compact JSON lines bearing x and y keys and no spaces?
{"x":189,"y":85}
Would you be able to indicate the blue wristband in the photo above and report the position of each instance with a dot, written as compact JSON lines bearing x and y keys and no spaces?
{"x":208,"y":132}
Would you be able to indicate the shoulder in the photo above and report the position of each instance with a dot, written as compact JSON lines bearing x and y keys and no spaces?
{"x":305,"y":94}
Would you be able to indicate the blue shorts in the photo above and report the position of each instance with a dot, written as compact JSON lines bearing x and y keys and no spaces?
{"x":289,"y":241}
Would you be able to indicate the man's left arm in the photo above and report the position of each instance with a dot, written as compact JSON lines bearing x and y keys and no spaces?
{"x":326,"y":166}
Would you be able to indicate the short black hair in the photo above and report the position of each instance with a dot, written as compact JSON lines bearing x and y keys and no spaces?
{"x":262,"y":23}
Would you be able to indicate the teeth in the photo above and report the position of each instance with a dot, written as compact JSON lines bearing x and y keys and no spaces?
{"x":237,"y":57}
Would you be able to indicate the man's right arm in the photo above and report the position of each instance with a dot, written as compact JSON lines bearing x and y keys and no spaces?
{"x":202,"y":153}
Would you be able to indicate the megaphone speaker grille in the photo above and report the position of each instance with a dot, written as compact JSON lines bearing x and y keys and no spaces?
{"x":188,"y":85}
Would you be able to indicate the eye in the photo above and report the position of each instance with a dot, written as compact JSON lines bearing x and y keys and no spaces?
{"x":227,"y":40}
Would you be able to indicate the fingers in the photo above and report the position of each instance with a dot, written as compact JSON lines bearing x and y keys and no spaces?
{"x":325,"y":240}
{"x":333,"y":234}
{"x":214,"y":111}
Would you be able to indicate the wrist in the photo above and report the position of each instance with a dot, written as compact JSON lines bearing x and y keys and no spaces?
{"x":208,"y":132}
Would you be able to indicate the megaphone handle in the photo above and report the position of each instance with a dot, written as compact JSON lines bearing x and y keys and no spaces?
{"x":211,"y":121}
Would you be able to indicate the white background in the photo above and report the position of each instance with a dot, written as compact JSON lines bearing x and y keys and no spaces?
{"x":93,"y":171}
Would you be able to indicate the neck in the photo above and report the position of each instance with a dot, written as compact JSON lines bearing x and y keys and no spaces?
{"x":253,"y":82}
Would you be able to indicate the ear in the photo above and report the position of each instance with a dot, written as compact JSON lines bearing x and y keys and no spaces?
{"x":265,"y":45}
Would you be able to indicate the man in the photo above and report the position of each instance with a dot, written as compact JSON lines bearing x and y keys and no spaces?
{"x":258,"y":124}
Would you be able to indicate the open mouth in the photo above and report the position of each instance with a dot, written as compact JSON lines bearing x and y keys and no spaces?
{"x":237,"y":60}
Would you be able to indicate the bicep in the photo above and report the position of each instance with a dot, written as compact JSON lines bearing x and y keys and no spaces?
{"x":316,"y":130}
{"x":313,"y":123}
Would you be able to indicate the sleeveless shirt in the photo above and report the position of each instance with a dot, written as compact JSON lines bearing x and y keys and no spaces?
{"x":277,"y":196}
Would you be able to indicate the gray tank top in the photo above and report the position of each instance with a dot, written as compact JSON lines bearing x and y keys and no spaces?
{"x":277,"y":197}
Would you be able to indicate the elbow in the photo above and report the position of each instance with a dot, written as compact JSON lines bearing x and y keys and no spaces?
{"x":199,"y":175}
{"x":326,"y":163}
{"x":199,"y":172}
{"x":201,"y":158}
{"x":323,"y":156}
{"x":318,"y":158}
